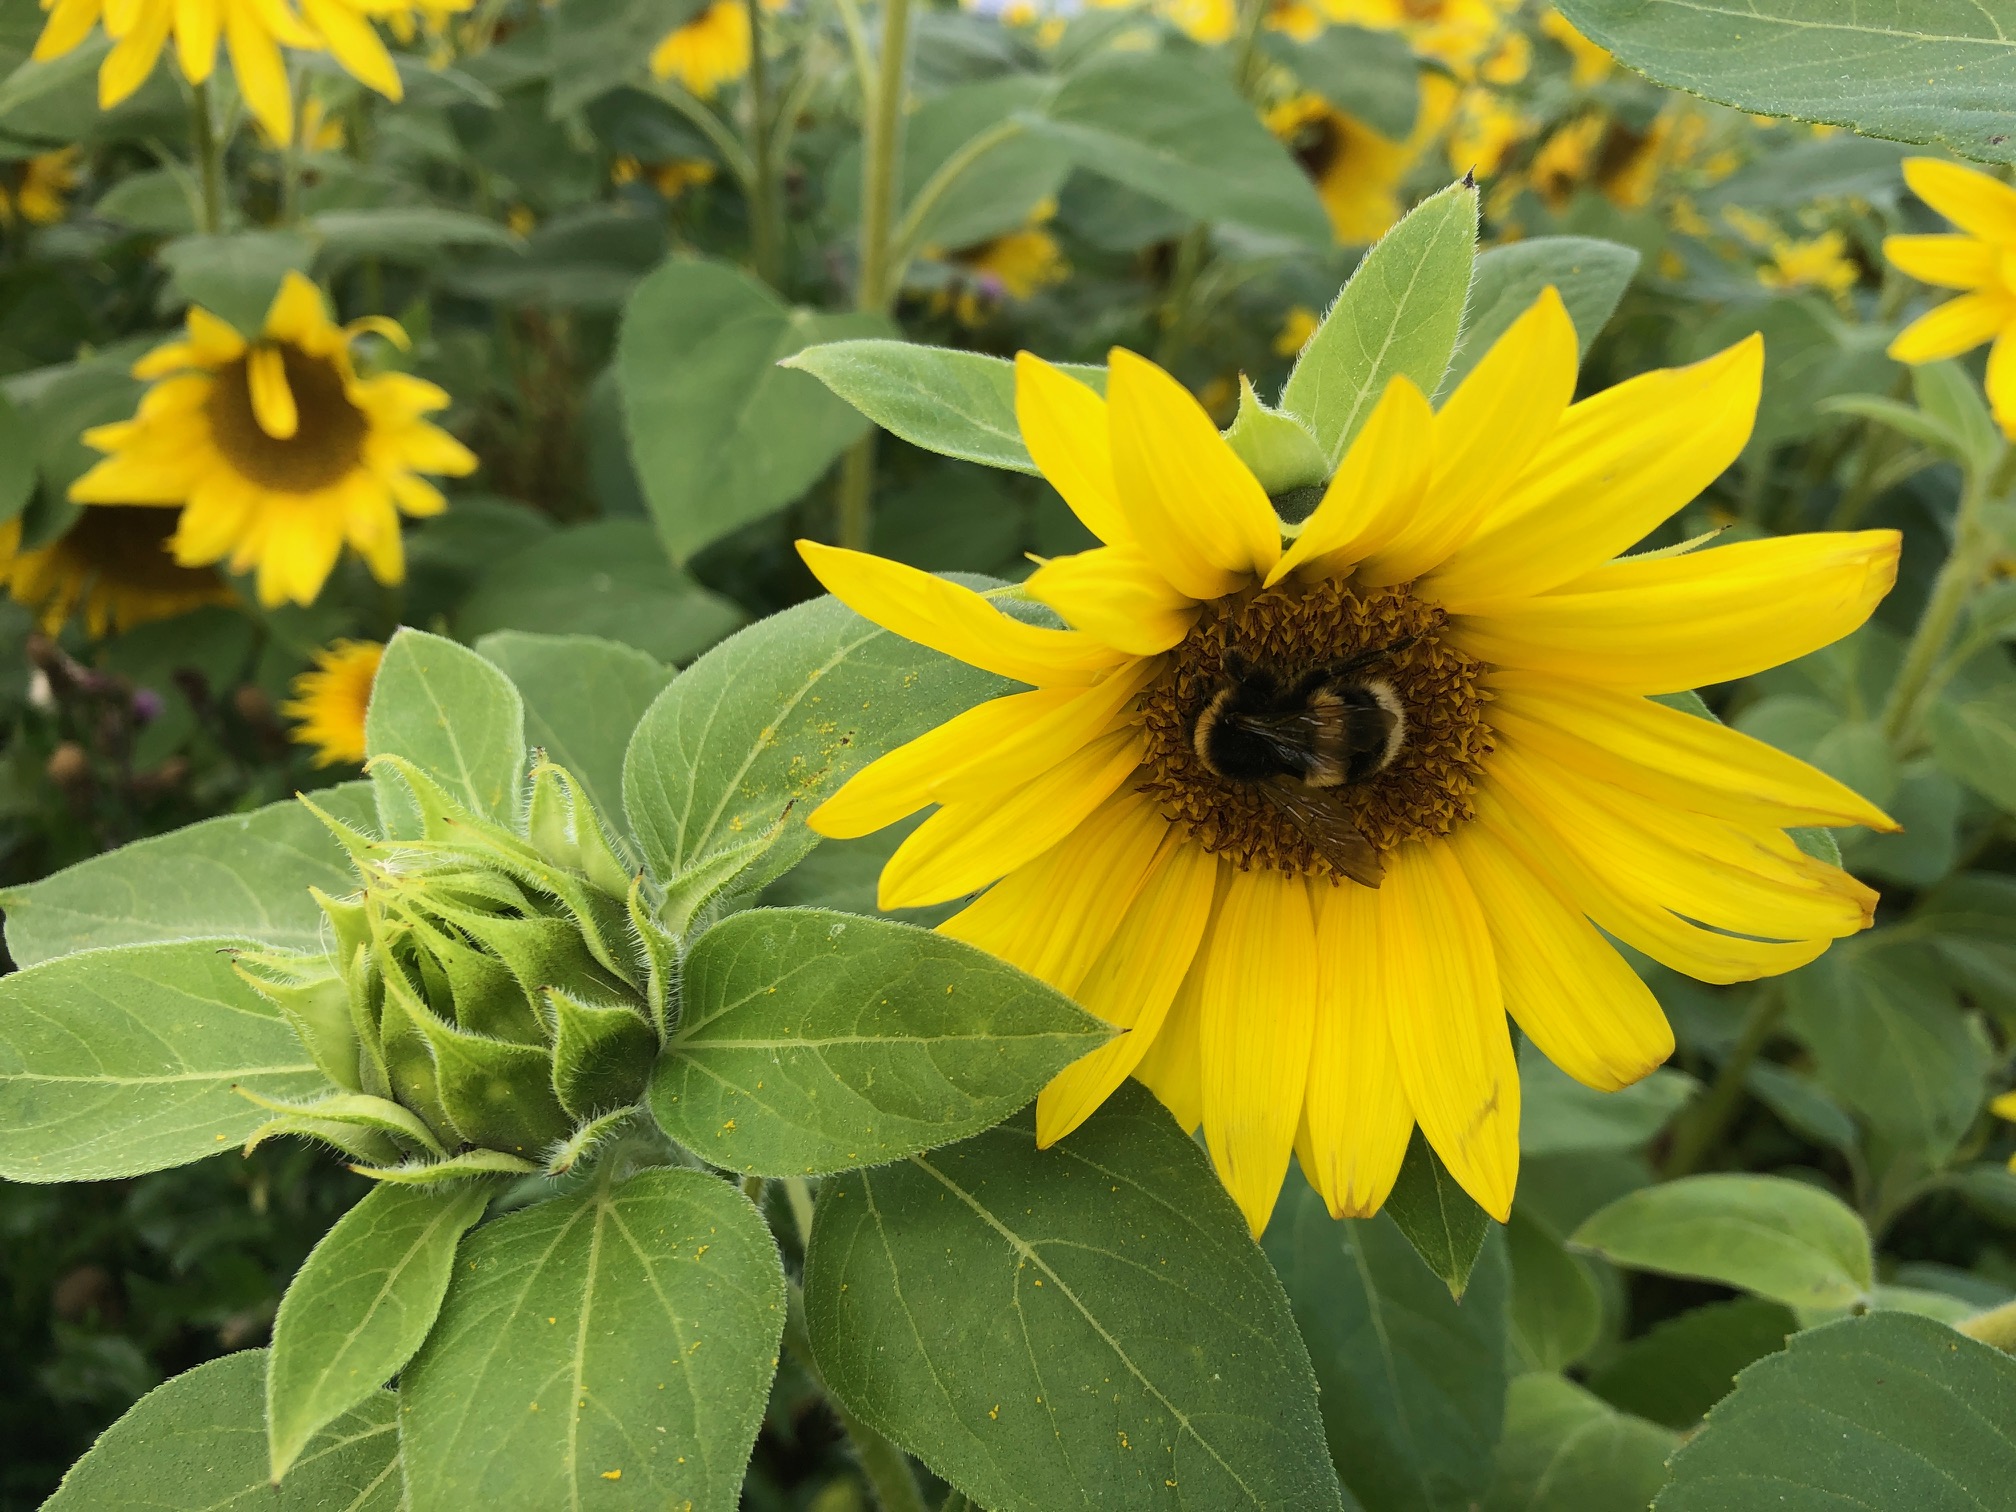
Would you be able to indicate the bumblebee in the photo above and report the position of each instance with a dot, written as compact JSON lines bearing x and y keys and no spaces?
{"x":1298,"y":738}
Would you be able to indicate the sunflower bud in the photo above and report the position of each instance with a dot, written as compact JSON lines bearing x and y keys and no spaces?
{"x":486,"y":996}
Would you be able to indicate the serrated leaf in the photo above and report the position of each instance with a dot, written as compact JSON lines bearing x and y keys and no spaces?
{"x":1775,"y":1238}
{"x":116,"y":1062}
{"x":453,"y":715}
{"x":1397,"y":317}
{"x":1411,"y":1381}
{"x":1930,"y":72}
{"x":630,"y":1330}
{"x":1445,"y":1227}
{"x":812,"y":1041}
{"x":1885,"y":1410}
{"x":1072,"y":1328}
{"x":238,"y":877}
{"x":359,"y":1307}
{"x":198,"y":1444}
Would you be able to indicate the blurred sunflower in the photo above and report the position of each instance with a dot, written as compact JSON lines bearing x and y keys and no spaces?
{"x":1515,"y":789}
{"x":253,"y":32}
{"x":1587,"y":62}
{"x":330,"y":701}
{"x":38,"y":188}
{"x":1018,"y":265}
{"x":710,"y":50}
{"x":112,"y":567}
{"x":279,"y":452}
{"x":1357,"y":170}
{"x":1980,"y":262}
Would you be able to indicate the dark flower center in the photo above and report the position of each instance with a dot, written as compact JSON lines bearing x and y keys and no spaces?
{"x":327,"y":445}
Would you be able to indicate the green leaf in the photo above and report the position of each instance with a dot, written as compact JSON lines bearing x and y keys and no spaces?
{"x":812,"y":1041}
{"x":1887,"y":1410}
{"x":1557,"y":1313}
{"x":402,"y":233}
{"x":1947,"y":392}
{"x":612,"y":1349}
{"x":583,"y":699}
{"x":961,"y":404}
{"x":1566,"y":1451}
{"x":1968,"y":919}
{"x":453,"y":715}
{"x":17,"y":460}
{"x":237,"y":877}
{"x":1686,"y":1364}
{"x":599,"y":45}
{"x":1560,"y":1116}
{"x":1275,"y":446}
{"x":609,"y":579}
{"x":1775,"y":1238}
{"x":1366,"y":74}
{"x":720,"y":434}
{"x":1975,"y":741}
{"x":1084,"y":1326}
{"x":1445,"y":1227}
{"x":1174,"y":128}
{"x":1397,"y":317}
{"x":116,"y":1062}
{"x":1590,"y":274}
{"x":1938,"y":73}
{"x":198,"y":1444}
{"x":760,"y":730}
{"x":360,"y":1306}
{"x":1411,"y":1382}
{"x":234,"y":276}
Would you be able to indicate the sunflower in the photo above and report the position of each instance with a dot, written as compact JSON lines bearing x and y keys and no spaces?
{"x":330,"y":700}
{"x":113,"y":565}
{"x":1980,"y":262}
{"x":278,"y":450}
{"x":710,"y":50}
{"x":1588,"y":63}
{"x":1357,"y":171}
{"x":1018,"y":264}
{"x":1525,"y":794}
{"x":253,"y":31}
{"x":40,"y":187}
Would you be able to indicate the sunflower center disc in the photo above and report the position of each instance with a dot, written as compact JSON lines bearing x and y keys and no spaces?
{"x":1290,"y":629}
{"x":327,"y":445}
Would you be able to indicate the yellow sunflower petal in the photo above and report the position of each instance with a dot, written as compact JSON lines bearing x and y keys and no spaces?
{"x":133,"y":58}
{"x":355,"y":45}
{"x":1616,"y":467}
{"x":1501,"y":414}
{"x":1957,"y":326}
{"x":1673,"y":757}
{"x":261,"y":75}
{"x":272,"y":400}
{"x":415,"y":496}
{"x":1116,"y":594}
{"x":428,"y":448}
{"x":1568,"y":988}
{"x":956,"y":620}
{"x":1356,"y":1114}
{"x":297,"y":315}
{"x":2000,"y":380}
{"x":1640,"y":922}
{"x":1257,"y":1020}
{"x":1063,"y":423}
{"x":1947,"y":262}
{"x":965,"y":846}
{"x":1665,"y":624}
{"x":197,"y":25}
{"x":1055,"y":916}
{"x":1447,"y":1018}
{"x":1172,"y":1069}
{"x":1977,"y":204}
{"x":69,"y":23}
{"x":1134,"y":983}
{"x":985,"y":769}
{"x":2004,"y":1106}
{"x":298,"y":555}
{"x":1376,"y":488}
{"x":1193,"y":506}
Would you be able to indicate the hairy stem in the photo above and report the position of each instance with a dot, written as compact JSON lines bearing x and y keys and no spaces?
{"x":209,"y":157}
{"x":1709,"y":1119}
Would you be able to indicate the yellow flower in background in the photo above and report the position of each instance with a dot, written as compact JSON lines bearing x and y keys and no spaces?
{"x":1357,"y":171}
{"x":40,"y":187}
{"x":330,"y":701}
{"x":1461,"y":35}
{"x":710,"y":50}
{"x":1979,"y":261}
{"x":1309,"y":818}
{"x":1207,"y":21}
{"x":1816,"y":262}
{"x":2004,"y":1106}
{"x":252,"y":31}
{"x":671,"y":178}
{"x":1304,"y":20}
{"x":1485,"y":129}
{"x":279,"y":452}
{"x":1297,"y":326}
{"x":1587,"y":63}
{"x":111,"y":568}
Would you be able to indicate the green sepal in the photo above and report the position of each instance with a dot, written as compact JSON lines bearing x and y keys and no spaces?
{"x":1276,"y":447}
{"x":577,"y":1146}
{"x":549,"y":816}
{"x":486,"y":995}
{"x":354,"y":1108}
{"x":582,"y":841}
{"x":315,"y":1000}
{"x":347,"y":923}
{"x":688,"y":894}
{"x":602,"y":1054}
{"x":500,"y":1095}
{"x":537,"y":952}
{"x":355,"y":1140}
{"x":459,"y":1168}
{"x":409,"y":1056}
{"x":360,"y":847}
{"x":443,"y":820}
{"x":367,"y":999}
{"x":661,"y":960}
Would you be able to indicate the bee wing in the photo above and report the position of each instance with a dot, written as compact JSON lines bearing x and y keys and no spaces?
{"x":1308,"y":740}
{"x":1325,"y":825}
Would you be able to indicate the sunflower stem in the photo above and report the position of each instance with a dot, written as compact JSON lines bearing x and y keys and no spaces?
{"x":764,"y":239}
{"x":888,"y":1472}
{"x":1966,"y":565}
{"x":1698,"y":1133}
{"x":209,"y":157}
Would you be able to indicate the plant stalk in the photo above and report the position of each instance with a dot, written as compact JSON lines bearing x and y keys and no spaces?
{"x":1697,"y":1135}
{"x":764,"y":227}
{"x":209,"y":157}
